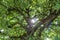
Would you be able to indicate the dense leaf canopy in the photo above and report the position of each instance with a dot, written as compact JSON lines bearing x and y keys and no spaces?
{"x":29,"y":19}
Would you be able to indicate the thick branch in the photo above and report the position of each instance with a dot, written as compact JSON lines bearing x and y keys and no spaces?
{"x":45,"y":21}
{"x":50,"y":20}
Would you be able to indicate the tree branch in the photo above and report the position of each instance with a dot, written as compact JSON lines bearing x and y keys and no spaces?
{"x":3,"y":5}
{"x":50,"y":20}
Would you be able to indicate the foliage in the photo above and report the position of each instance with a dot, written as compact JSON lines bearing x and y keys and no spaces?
{"x":12,"y":22}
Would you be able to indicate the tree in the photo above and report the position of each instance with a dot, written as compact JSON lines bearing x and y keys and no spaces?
{"x":28,"y":19}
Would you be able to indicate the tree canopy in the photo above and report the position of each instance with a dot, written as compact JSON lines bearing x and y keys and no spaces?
{"x":29,"y":19}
